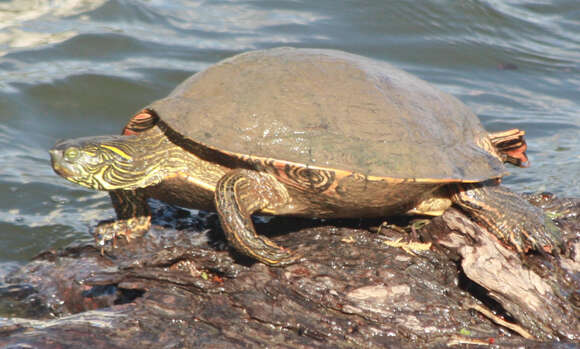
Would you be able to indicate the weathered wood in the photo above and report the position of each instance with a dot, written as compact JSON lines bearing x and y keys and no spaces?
{"x":533,"y":295}
{"x":178,"y":288}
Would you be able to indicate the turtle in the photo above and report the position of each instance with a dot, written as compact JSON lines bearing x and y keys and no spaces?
{"x":310,"y":133}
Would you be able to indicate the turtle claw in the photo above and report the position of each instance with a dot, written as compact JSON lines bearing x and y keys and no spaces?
{"x":274,"y":255}
{"x":543,"y":237}
{"x":511,"y":218}
{"x":127,"y":228}
{"x":288,"y":257}
{"x":549,"y":239}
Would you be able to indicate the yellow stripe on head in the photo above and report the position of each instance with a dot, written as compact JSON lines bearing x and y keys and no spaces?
{"x":117,"y":151}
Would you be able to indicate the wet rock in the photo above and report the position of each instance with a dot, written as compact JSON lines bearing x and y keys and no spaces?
{"x":354,"y":288}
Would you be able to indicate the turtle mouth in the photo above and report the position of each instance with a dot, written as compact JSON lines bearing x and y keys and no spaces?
{"x":56,"y":159}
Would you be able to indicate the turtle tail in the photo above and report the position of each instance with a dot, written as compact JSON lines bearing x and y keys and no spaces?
{"x":511,"y":146}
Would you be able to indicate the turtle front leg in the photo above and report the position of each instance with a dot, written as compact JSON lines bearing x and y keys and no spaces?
{"x":133,"y":217}
{"x":508,"y":216}
{"x":238,"y":195}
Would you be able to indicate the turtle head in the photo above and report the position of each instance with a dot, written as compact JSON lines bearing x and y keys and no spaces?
{"x":101,"y":163}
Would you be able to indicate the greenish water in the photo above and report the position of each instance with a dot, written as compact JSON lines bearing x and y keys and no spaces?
{"x":76,"y":68}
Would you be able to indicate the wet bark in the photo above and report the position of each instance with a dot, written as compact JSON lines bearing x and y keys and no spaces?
{"x":179,"y":286}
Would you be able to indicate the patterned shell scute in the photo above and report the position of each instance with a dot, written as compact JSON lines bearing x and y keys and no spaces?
{"x":331,"y":109}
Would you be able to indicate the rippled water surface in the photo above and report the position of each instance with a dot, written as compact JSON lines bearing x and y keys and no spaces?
{"x":74,"y":68}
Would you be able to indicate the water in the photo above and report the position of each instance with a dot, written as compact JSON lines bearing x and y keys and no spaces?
{"x":74,"y":68}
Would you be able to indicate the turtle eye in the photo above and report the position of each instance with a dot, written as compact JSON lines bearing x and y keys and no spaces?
{"x":71,"y":154}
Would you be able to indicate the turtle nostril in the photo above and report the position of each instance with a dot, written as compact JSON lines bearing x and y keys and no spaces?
{"x":54,"y":153}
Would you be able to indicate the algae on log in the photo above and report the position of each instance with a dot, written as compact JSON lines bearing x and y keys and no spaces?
{"x":178,"y":288}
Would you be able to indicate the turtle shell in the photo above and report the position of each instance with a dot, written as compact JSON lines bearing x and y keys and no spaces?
{"x":331,"y":110}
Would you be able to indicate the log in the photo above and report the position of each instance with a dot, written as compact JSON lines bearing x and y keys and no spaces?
{"x":180,"y":286}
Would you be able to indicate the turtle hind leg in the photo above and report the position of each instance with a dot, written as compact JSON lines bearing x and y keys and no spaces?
{"x":509,"y":217}
{"x":133,"y":217}
{"x":238,"y":195}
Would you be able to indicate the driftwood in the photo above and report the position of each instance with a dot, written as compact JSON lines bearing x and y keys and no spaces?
{"x":179,"y":287}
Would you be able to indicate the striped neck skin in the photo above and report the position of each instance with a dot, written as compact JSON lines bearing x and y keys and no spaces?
{"x":113,"y":162}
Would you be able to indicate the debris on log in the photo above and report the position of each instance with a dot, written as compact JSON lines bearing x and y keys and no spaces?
{"x":179,"y":286}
